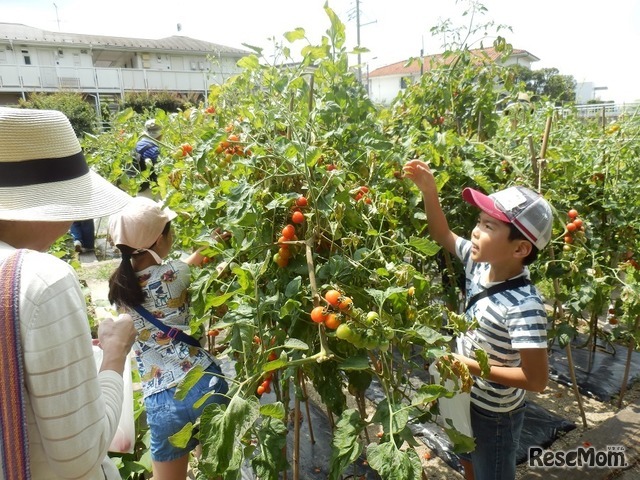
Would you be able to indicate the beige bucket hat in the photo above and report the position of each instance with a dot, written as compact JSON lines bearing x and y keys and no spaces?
{"x":43,"y":173}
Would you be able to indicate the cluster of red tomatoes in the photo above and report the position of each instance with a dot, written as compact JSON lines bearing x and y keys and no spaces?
{"x":232,"y":146}
{"x":331,"y":314}
{"x":285,"y":251}
{"x":361,"y":194}
{"x":186,"y":149}
{"x":574,"y":229}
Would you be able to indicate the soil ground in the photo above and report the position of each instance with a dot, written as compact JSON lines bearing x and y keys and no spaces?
{"x":557,"y":398}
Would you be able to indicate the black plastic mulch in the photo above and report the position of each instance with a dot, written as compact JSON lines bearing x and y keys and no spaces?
{"x":599,"y":372}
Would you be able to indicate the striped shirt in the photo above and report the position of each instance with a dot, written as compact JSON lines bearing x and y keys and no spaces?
{"x":508,"y":321}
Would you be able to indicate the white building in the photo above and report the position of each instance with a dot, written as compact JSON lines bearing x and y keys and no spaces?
{"x":386,"y":82}
{"x":35,"y":60}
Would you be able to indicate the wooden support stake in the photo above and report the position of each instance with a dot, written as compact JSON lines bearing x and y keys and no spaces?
{"x":556,"y":285}
{"x":627,"y":366}
{"x":303,"y":385}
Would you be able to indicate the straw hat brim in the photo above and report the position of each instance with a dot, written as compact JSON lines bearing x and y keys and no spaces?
{"x":86,"y":197}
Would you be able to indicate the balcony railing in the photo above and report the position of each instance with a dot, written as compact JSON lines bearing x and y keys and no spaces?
{"x":32,"y":78}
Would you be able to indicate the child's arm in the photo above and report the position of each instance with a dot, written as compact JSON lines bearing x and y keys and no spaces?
{"x":420,"y":173}
{"x":532,"y":374}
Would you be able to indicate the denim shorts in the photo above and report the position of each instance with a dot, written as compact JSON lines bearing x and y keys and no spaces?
{"x":167,"y":416}
{"x":497,"y":436}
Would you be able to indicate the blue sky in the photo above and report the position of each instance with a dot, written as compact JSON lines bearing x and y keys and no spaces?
{"x":592,"y":41}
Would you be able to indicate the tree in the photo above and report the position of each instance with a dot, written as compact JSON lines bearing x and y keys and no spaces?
{"x":546,"y":82}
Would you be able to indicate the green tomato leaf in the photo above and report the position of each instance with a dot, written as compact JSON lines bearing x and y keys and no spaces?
{"x":293,"y":35}
{"x":424,"y":246}
{"x":295,"y":344}
{"x":191,"y":378}
{"x":394,"y":464}
{"x":483,"y":361}
{"x":461,"y":443}
{"x":355,"y":363}
{"x":181,"y":438}
{"x":345,"y":445}
{"x":273,"y":410}
{"x":272,"y":438}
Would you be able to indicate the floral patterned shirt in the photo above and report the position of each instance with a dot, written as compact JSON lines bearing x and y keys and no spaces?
{"x":163,"y":362}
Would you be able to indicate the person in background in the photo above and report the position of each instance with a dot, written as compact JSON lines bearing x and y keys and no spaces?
{"x":148,"y":148}
{"x":142,"y":232}
{"x":84,"y":235}
{"x":72,"y":409}
{"x":513,"y":226}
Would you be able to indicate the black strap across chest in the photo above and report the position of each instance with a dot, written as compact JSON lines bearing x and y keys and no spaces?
{"x":501,"y":287}
{"x":171,"y":332}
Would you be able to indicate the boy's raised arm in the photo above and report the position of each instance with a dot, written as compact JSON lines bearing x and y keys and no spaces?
{"x":420,"y":173}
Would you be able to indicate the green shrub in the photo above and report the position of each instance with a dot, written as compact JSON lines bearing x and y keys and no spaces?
{"x":75,"y":106}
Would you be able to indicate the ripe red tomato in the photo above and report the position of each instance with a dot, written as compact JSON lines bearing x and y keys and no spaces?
{"x":331,"y":167}
{"x":578,"y":223}
{"x":318,"y":314}
{"x":272,"y":356}
{"x":186,"y":149}
{"x":573,"y":213}
{"x":214,"y":332}
{"x":234,"y":138}
{"x":289,"y":232}
{"x":297,"y":217}
{"x":301,"y":201}
{"x":260,"y":390}
{"x":571,"y":227}
{"x":332,"y":297}
{"x":568,"y":239}
{"x":284,"y":252}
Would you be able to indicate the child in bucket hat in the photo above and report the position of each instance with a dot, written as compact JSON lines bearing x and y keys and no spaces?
{"x":155,"y":293}
{"x":71,"y":409}
{"x":514,"y":224}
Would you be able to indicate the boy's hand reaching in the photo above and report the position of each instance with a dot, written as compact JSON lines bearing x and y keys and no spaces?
{"x":419,"y":173}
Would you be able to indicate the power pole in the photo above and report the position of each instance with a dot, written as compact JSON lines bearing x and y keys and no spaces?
{"x":358,"y":40}
{"x":57,"y":18}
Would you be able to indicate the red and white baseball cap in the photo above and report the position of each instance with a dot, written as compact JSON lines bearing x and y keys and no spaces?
{"x":525,"y":209}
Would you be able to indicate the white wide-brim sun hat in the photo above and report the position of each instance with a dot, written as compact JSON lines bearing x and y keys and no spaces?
{"x":43,"y":173}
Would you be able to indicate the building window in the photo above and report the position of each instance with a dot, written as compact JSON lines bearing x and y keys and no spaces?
{"x":404,"y":83}
{"x":60,"y":53}
{"x":27,"y":57}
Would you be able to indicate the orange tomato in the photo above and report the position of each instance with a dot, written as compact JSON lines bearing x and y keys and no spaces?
{"x":332,"y":297}
{"x":318,"y":314}
{"x":332,"y":321}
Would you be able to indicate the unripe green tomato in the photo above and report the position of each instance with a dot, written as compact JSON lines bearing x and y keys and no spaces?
{"x":344,"y":332}
{"x":358,"y":341}
{"x":384,"y":345}
{"x":370,"y":343}
{"x":372,"y":317}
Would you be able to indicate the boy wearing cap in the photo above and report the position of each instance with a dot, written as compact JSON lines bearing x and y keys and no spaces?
{"x":513,"y":225}
{"x":148,"y":147}
{"x":70,"y":410}
{"x":142,"y":233}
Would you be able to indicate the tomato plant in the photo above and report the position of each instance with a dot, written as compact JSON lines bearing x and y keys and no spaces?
{"x":305,"y":142}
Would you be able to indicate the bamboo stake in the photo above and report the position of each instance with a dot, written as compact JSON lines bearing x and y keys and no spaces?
{"x":303,"y":385}
{"x":556,"y":285}
{"x":296,"y":439}
{"x":627,"y":366}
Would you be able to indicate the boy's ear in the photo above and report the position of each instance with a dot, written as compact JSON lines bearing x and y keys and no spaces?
{"x":523,"y":248}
